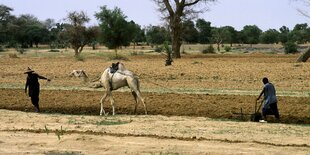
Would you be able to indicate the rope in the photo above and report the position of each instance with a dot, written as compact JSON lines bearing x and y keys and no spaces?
{"x":110,"y":81}
{"x":171,"y":90}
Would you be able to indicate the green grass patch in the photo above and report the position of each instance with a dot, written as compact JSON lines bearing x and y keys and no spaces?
{"x":63,"y":153}
{"x":104,"y":122}
{"x":117,"y":57}
{"x":80,"y":58}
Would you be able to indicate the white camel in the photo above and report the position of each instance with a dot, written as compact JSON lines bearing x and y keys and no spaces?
{"x":116,"y":77}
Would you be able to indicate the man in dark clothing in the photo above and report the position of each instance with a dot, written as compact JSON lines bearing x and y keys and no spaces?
{"x":270,"y":100}
{"x":32,"y":82}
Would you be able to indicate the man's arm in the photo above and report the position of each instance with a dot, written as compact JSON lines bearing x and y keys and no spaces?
{"x":260,"y":95}
{"x":42,"y":77}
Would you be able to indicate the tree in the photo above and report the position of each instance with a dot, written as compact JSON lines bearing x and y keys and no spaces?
{"x":36,"y":34}
{"x":251,"y":34}
{"x":302,"y":11}
{"x":226,"y":34}
{"x":300,"y":33}
{"x":116,"y":31}
{"x":230,"y":35}
{"x":305,"y":56}
{"x":284,"y":34}
{"x":78,"y":35}
{"x":218,"y":35}
{"x":57,"y":37}
{"x":190,"y":33}
{"x":156,"y":35}
{"x":138,"y":33}
{"x":175,"y":12}
{"x":5,"y":19}
{"x":21,"y":28}
{"x":5,"y":13}
{"x":49,"y":23}
{"x":270,"y":36}
{"x":204,"y":31}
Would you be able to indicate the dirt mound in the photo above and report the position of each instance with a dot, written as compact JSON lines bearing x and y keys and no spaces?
{"x":292,"y":109}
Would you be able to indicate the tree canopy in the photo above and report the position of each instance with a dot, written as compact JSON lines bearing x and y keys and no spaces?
{"x":175,"y":12}
{"x":116,"y":31}
{"x":76,"y":33}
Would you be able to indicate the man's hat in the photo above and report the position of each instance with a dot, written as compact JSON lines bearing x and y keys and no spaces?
{"x":28,"y":71}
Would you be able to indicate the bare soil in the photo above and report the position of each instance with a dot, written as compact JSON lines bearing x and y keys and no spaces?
{"x":79,"y":102}
{"x":32,"y":133}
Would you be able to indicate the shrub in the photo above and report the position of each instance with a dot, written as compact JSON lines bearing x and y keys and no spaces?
{"x":79,"y":58}
{"x":209,"y":49}
{"x":134,"y":53}
{"x":227,"y":48}
{"x":54,"y":50}
{"x":11,"y":44}
{"x":169,"y":53}
{"x":2,"y":49}
{"x":290,"y":47}
{"x":13,"y":55}
{"x":159,"y":49}
{"x":21,"y":50}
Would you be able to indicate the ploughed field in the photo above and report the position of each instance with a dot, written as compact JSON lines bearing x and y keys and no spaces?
{"x":215,"y":86}
{"x":292,"y":109}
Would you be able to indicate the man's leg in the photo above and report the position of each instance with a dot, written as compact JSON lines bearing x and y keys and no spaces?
{"x":264,"y":112}
{"x":35,"y":102}
{"x":274,"y":108}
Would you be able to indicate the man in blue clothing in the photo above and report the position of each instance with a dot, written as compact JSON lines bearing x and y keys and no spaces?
{"x":270,"y":100}
{"x":32,"y":82}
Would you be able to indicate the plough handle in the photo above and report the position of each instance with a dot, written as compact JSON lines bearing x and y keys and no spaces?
{"x":256,"y":110}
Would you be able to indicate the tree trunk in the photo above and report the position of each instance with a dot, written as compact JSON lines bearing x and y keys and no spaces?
{"x":94,"y":46}
{"x":305,"y":56}
{"x":81,"y":49}
{"x":116,"y":52}
{"x":176,"y":45}
{"x":76,"y":52}
{"x":175,"y":25}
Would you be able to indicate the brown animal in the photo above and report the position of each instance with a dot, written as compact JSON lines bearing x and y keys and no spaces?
{"x":116,"y":77}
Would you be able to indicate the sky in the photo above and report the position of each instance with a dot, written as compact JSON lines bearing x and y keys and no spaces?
{"x":265,"y":14}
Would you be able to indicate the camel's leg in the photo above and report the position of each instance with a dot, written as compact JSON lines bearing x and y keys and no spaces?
{"x":101,"y":102}
{"x":134,"y":86}
{"x":136,"y":100}
{"x":112,"y":102}
{"x":142,"y":100}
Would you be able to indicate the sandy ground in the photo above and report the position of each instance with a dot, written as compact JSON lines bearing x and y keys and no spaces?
{"x":32,"y":133}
